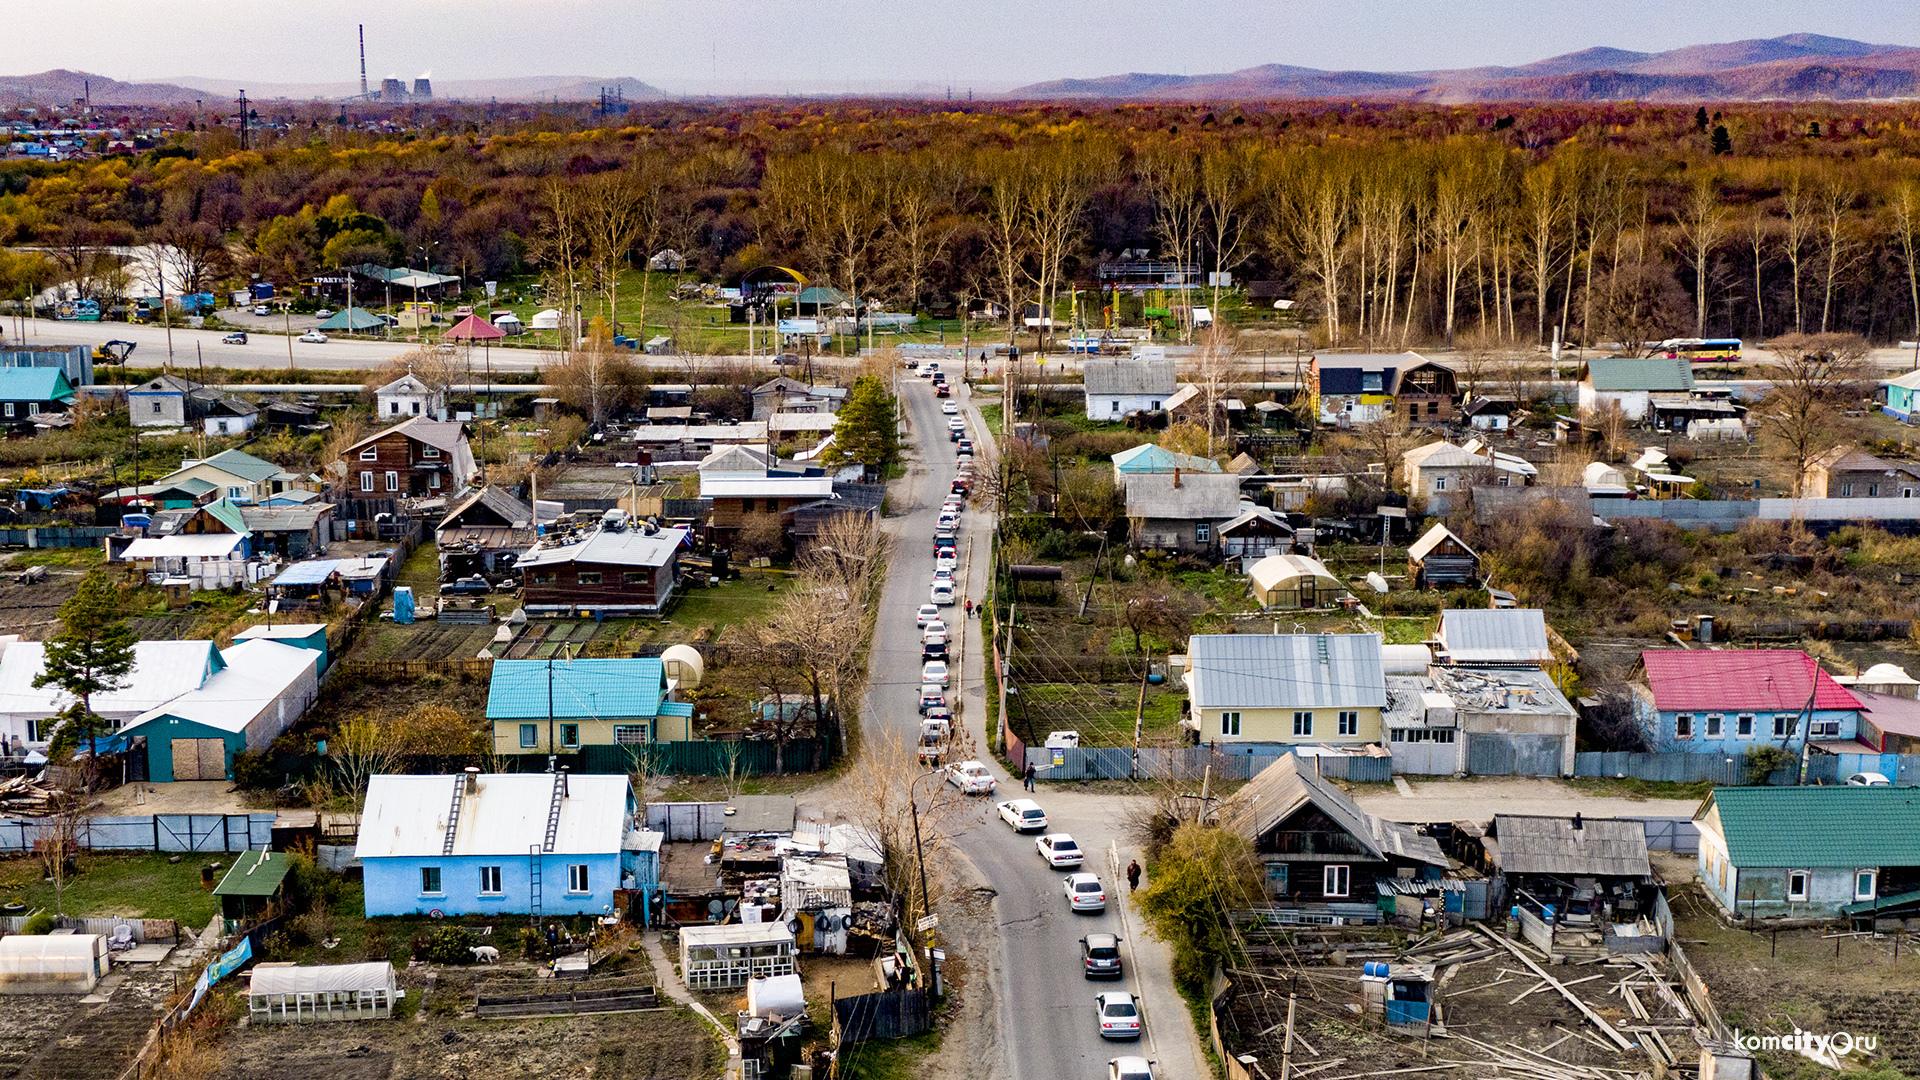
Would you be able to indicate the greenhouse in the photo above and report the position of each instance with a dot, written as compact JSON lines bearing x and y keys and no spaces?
{"x":52,"y":963}
{"x":339,"y":992}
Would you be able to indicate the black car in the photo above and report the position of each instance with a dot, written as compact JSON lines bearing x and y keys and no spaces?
{"x":474,"y":585}
{"x":933,"y":652}
{"x":942,"y":544}
{"x":1101,"y":955}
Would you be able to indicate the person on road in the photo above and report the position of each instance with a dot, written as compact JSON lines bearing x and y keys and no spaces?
{"x":1029,"y":777}
{"x":1133,"y":875}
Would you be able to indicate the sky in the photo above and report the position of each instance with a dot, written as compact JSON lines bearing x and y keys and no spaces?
{"x":694,"y":46}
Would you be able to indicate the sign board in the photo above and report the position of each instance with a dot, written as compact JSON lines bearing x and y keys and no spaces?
{"x":493,"y":287}
{"x":1393,"y":511}
{"x":1059,"y":757}
{"x":926,"y":923}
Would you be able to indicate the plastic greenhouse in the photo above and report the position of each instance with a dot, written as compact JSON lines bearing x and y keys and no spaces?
{"x":339,"y":992}
{"x":52,"y":963}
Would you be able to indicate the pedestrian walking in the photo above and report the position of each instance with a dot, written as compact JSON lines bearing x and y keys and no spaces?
{"x":1029,"y":777}
{"x":1133,"y":875}
{"x":969,"y":607}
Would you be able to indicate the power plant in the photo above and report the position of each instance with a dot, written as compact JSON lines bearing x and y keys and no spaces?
{"x":392,"y":91}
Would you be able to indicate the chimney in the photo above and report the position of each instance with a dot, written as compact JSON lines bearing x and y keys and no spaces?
{"x":1576,"y":821}
{"x":1176,"y":476}
{"x":564,"y":769}
{"x":473,"y":779}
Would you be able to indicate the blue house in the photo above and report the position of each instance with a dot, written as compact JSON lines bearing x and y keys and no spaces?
{"x":501,"y":844}
{"x":1903,"y":397}
{"x":26,"y":392}
{"x":1153,"y":458}
{"x":1729,"y":701}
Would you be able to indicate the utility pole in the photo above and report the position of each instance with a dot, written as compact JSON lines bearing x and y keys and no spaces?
{"x":1140,"y":709}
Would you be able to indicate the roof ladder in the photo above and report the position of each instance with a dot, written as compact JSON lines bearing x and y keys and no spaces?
{"x":453,"y":813}
{"x":553,"y":810}
{"x":533,"y":882}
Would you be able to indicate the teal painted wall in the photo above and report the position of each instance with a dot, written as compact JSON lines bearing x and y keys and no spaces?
{"x":162,"y":730}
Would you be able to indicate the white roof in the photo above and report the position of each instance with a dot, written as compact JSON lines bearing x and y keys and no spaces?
{"x":629,"y":547}
{"x":791,"y":421}
{"x":1442,"y":455}
{"x":783,"y":487}
{"x":751,"y":431}
{"x":406,"y":816}
{"x":1275,"y":569}
{"x":49,"y":954}
{"x":336,"y":978}
{"x":184,"y":546}
{"x":730,"y":934}
{"x":279,"y":630}
{"x":162,"y":671}
{"x":258,"y":671}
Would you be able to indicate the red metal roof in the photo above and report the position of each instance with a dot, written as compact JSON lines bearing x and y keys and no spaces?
{"x":1756,"y":680}
{"x":1893,"y":715}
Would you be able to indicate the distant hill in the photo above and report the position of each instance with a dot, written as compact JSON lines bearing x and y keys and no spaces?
{"x":1798,"y":67}
{"x":60,"y":87}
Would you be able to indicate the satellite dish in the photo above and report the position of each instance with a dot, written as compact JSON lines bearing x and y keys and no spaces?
{"x":715,"y":907}
{"x":793,"y":925}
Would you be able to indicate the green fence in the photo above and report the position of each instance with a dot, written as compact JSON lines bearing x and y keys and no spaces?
{"x":702,"y":758}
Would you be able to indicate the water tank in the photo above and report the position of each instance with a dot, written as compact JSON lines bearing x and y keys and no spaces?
{"x":1405,"y":659}
{"x":1376,"y":969}
{"x":683,"y":662}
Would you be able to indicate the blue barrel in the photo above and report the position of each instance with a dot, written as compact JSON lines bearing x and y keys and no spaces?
{"x":1156,"y":678}
{"x":1374,"y":968}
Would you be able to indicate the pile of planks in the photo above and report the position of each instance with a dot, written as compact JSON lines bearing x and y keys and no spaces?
{"x":28,"y":795}
{"x":1459,"y":947}
{"x":1512,"y":1059}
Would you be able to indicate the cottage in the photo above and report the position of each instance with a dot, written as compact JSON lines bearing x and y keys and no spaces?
{"x":1846,"y":472}
{"x":1442,"y":560}
{"x":1285,"y":689}
{"x":613,"y":570}
{"x":1504,"y":637}
{"x":1364,"y":388}
{"x":1578,"y":864}
{"x":1293,"y":583}
{"x":1635,"y":384}
{"x":1903,"y":397}
{"x":238,"y":475}
{"x":290,"y":532}
{"x":786,"y":395}
{"x":1322,"y":853}
{"x":27,"y":392}
{"x":417,"y":457}
{"x":537,"y":844}
{"x":558,"y":706}
{"x":809,"y":522}
{"x":1809,"y":852}
{"x":410,"y":396}
{"x":1153,"y":458}
{"x":1115,"y":388}
{"x":1489,"y":414}
{"x":1255,"y":533}
{"x":229,"y":414}
{"x":164,"y":401}
{"x":1486,"y":721}
{"x":1181,"y":512}
{"x":259,"y":690}
{"x":1728,"y":701}
{"x":1441,"y":472}
{"x":750,"y":486}
{"x":483,"y":533}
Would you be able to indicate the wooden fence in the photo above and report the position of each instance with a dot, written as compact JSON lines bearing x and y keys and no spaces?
{"x":405,"y":670}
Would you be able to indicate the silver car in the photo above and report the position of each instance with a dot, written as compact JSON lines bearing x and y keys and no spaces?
{"x":1118,"y":1014}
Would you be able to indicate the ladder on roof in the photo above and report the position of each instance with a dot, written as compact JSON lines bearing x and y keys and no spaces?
{"x":453,"y":812}
{"x":553,"y":811}
{"x":533,"y":883}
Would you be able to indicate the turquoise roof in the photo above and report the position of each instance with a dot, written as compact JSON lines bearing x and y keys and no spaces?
{"x":1153,"y":458}
{"x":1819,"y":826}
{"x":676,"y":708}
{"x":34,"y":384}
{"x":242,"y":465}
{"x":581,"y":689}
{"x":226,"y":513}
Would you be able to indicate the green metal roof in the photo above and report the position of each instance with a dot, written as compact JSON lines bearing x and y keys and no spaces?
{"x":1641,"y":373}
{"x":255,"y":873}
{"x":226,"y":513}
{"x":1883,"y":903}
{"x":243,"y":465}
{"x":34,"y":384}
{"x":1819,"y":826}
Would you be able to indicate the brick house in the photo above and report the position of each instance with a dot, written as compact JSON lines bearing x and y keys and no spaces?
{"x":609,"y":571}
{"x":1847,"y":473}
{"x":417,"y":458}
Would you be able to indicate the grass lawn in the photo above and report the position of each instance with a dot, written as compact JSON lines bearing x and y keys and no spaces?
{"x":898,"y":1059}
{"x":1102,"y":713}
{"x":144,"y":885}
{"x":720,"y":607}
{"x":1634,"y":788}
{"x":75,"y":558}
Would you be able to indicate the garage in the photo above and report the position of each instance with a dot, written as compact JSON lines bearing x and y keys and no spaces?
{"x":199,"y":759}
{"x":1514,"y":755}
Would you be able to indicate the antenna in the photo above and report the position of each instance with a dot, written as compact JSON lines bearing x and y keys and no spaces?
{"x":363,"y":61}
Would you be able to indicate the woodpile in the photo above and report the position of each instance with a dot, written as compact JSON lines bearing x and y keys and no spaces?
{"x":29,"y":796}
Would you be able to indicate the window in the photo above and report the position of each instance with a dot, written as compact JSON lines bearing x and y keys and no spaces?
{"x":366,"y":481}
{"x":1503,"y":480}
{"x":1864,"y":882}
{"x":33,"y":729}
{"x":639,"y":577}
{"x":1156,"y":407}
{"x":1439,"y":483}
{"x":1229,"y":723}
{"x":223,"y":426}
{"x":1277,"y":878}
{"x":429,"y":451}
{"x":1873,"y":491}
{"x":1683,"y":726}
{"x":1797,"y":884}
{"x":430,"y":880}
{"x":236,"y":493}
{"x":1202,"y":532}
{"x":746,"y":506}
{"x":1115,"y":409}
{"x":1372,"y":382}
{"x":156,"y":408}
{"x":1303,"y":723}
{"x":416,"y":408}
{"x":577,"y":878}
{"x":490,"y":881}
{"x":394,"y":407}
{"x":570,"y":736}
{"x":629,"y":734}
{"x":1420,"y":735}
{"x":393,"y":481}
{"x":1349,"y":723}
{"x":1713,"y":725}
{"x":587,"y":577}
{"x":371,"y":453}
{"x":1433,"y":408}
{"x":6,"y":409}
{"x":1334,"y":881}
{"x":1743,"y":725}
{"x":1846,"y":491}
{"x":433,"y":480}
{"x":1824,"y":729}
{"x":543,"y":577}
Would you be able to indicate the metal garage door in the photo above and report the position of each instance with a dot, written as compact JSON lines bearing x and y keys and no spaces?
{"x":1424,"y":758}
{"x":1514,"y":755}
{"x":199,"y":759}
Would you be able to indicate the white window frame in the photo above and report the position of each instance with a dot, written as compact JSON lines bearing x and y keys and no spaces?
{"x":1805,"y":891}
{"x":393,"y":480}
{"x":1872,"y":878}
{"x":1439,"y":484}
{"x":1336,"y":881}
{"x":490,"y":876}
{"x":578,"y":881}
{"x":433,"y":480}
{"x":371,"y":453}
{"x":1230,"y":723}
{"x":366,"y":481}
{"x":1303,"y":724}
{"x":1716,"y":726}
{"x":429,"y":451}
{"x":630,"y":734}
{"x":1780,"y":724}
{"x":1349,"y":722}
{"x":437,"y":887}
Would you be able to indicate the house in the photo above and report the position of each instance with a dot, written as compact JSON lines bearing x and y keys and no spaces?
{"x":164,"y":401}
{"x":750,"y":485}
{"x":1255,"y":533}
{"x":1363,"y":388}
{"x":1728,"y":701}
{"x":1117,"y":387}
{"x":786,"y":395}
{"x":1153,"y":458}
{"x":1560,"y":860}
{"x":1285,"y":582}
{"x":1442,"y":472}
{"x":240,"y":476}
{"x":1181,"y":512}
{"x":299,"y":635}
{"x":808,"y":522}
{"x":407,"y":397}
{"x":259,"y":690}
{"x":1635,"y":384}
{"x":291,"y":532}
{"x":1487,"y":721}
{"x":559,"y":706}
{"x":1321,"y":853}
{"x":280,"y":414}
{"x":1903,"y":397}
{"x":483,"y":533}
{"x":1889,"y":723}
{"x":1846,"y":472}
{"x":1808,"y":852}
{"x":1285,"y":689}
{"x":610,"y":571}
{"x":690,"y":442}
{"x":1488,"y":414}
{"x":540,"y":844}
{"x":415,"y":458}
{"x":1509,"y":470}
{"x":228,"y":414}
{"x":1500,"y":637}
{"x":254,"y":887}
{"x":1440,"y":559}
{"x":162,"y":671}
{"x":27,"y":392}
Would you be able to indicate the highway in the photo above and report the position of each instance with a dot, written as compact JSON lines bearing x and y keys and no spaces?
{"x":1044,"y":1003}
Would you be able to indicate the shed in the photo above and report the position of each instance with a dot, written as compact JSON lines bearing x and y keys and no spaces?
{"x":52,"y":963}
{"x":252,"y":886}
{"x":1441,"y":558}
{"x":333,"y":992}
{"x":1502,"y":636}
{"x":1292,"y":582}
{"x":1568,"y":847}
{"x":721,"y":957}
{"x":546,"y":320}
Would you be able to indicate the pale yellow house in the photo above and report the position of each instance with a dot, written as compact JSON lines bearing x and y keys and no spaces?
{"x":239,"y":476}
{"x":1285,"y":689}
{"x":560,"y":706}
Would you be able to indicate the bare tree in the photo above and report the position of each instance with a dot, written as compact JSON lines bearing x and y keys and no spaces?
{"x":1905,"y":205}
{"x":1173,"y":178}
{"x":1227,"y":181}
{"x":908,"y":812}
{"x":1544,"y":206}
{"x":1818,"y":379}
{"x":1839,"y":247}
{"x":1797,"y":205}
{"x":362,"y":749}
{"x":1703,"y":225}
{"x":614,"y":215}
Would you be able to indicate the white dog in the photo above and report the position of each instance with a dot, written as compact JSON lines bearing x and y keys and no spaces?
{"x":485,"y":954}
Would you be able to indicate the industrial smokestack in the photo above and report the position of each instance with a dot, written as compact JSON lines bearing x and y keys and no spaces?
{"x":363,"y":62}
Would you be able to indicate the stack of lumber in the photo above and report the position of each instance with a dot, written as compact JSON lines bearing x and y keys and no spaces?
{"x":29,"y":796}
{"x":1459,"y":947}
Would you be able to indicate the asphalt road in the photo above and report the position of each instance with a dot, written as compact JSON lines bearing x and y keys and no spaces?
{"x":1044,"y":1001}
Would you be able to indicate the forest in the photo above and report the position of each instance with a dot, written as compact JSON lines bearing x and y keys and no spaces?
{"x":1391,"y":224}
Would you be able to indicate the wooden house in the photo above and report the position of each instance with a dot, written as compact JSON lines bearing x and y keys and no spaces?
{"x":1442,"y":560}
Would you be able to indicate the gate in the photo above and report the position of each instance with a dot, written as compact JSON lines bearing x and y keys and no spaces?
{"x":1426,"y":758}
{"x":199,"y":759}
{"x":1514,"y":755}
{"x":687,"y":820}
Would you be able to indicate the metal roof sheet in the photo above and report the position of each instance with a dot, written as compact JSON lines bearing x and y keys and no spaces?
{"x":406,"y":816}
{"x":1611,"y":847}
{"x":1650,"y":373}
{"x":1284,"y":787}
{"x":237,"y":463}
{"x":1128,"y":377}
{"x":185,"y":546}
{"x":628,"y":547}
{"x":255,"y":873}
{"x":1183,"y":496}
{"x":1833,"y":825}
{"x":34,"y":384}
{"x":764,"y":487}
{"x":1760,"y":680}
{"x":1893,"y":715}
{"x":579,"y":689}
{"x":1434,"y":538}
{"x":162,"y":671}
{"x":1285,"y":671}
{"x":257,"y":672}
{"x":1153,"y":458}
{"x":1506,"y":636}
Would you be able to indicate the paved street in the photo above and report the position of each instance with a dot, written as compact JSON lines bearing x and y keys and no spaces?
{"x":1045,"y":1004}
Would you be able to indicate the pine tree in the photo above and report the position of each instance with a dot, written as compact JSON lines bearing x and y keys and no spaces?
{"x":92,"y":654}
{"x":865,"y":433}
{"x":1722,"y":142}
{"x":1700,"y":120}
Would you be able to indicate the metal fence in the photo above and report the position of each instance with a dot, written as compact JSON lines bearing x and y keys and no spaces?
{"x":1678,"y":835}
{"x":1731,"y":769}
{"x":1189,"y":763}
{"x":159,"y":832}
{"x":60,"y":536}
{"x":755,"y":757}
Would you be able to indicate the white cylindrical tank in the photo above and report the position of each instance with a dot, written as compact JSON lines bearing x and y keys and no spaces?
{"x":1405,"y":659}
{"x":683,"y":662}
{"x":777,"y":995}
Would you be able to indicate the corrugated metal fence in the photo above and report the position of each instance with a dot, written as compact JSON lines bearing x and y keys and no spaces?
{"x":1190,"y":763}
{"x":56,"y":536}
{"x":1681,"y":768}
{"x":159,"y":832}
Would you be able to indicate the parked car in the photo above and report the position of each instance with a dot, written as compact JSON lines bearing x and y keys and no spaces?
{"x":942,"y":543}
{"x":1868,"y":779}
{"x":262,"y":309}
{"x":953,"y":505}
{"x":942,"y":592}
{"x":962,"y":485}
{"x":933,"y":673}
{"x":238,"y":337}
{"x":928,"y":614}
{"x":323,"y":313}
{"x":1023,"y":815}
{"x":1084,"y":892}
{"x":928,"y":630}
{"x":964,"y":448}
{"x":1061,"y":851}
{"x":945,"y":560}
{"x":1100,"y":956}
{"x":951,"y":408}
{"x":934,"y":650}
{"x":971,"y":777}
{"x":314,"y":337}
{"x":931,"y":698}
{"x":1129,"y":1068}
{"x":1118,"y":1013}
{"x":471,"y":585}
{"x":943,"y":574}
{"x":933,"y":366}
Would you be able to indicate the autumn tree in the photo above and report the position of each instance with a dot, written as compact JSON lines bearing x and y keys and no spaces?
{"x":1703,"y":225}
{"x":1818,"y":379}
{"x":1204,"y":873}
{"x":1904,"y":205}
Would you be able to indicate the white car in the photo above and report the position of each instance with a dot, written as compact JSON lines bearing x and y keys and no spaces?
{"x":950,"y":407}
{"x":933,"y":673}
{"x":1868,"y":779}
{"x":928,"y":614}
{"x":1130,"y":1068}
{"x":1118,"y":1013}
{"x":1085,"y":893}
{"x":956,"y":423}
{"x":942,"y":593}
{"x":262,"y":309}
{"x":952,"y":506}
{"x":945,"y":561}
{"x":323,"y":313}
{"x":314,"y":337}
{"x":932,"y":630}
{"x":1060,"y":850}
{"x":1023,"y":815}
{"x":971,"y":777}
{"x":943,"y":574}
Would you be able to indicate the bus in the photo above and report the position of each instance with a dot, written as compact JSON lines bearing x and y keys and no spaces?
{"x":1699,"y":349}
